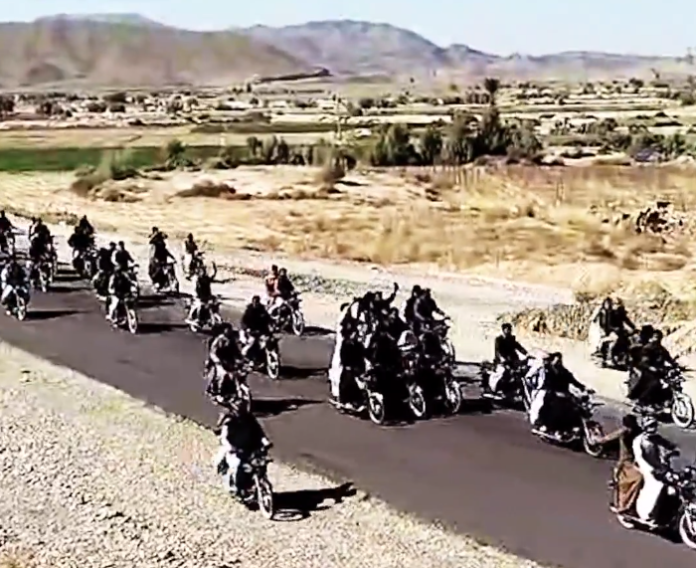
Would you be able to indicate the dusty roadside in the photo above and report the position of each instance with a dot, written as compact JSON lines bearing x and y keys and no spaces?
{"x":93,"y":478}
{"x":473,"y":302}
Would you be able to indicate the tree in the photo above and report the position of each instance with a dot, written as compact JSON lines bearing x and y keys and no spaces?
{"x":431,"y":144}
{"x":491,"y":85}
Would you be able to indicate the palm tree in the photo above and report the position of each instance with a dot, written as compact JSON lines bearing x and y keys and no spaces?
{"x":491,"y":85}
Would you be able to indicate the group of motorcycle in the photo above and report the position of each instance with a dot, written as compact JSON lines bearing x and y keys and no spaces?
{"x":677,"y":404}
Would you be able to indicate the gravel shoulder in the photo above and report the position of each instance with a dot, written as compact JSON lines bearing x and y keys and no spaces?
{"x":94,"y":478}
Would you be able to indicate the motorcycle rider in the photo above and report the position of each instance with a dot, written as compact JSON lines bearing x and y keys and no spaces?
{"x":6,"y":232}
{"x":645,"y":383}
{"x":159,"y":253}
{"x":79,"y":241}
{"x":409,"y":316}
{"x":105,"y":267}
{"x":614,"y":323}
{"x":557,"y":381}
{"x":203,"y":295}
{"x":120,"y":288}
{"x":225,"y":356}
{"x":424,"y":310}
{"x":506,"y":359}
{"x":121,"y":258}
{"x":381,"y":305}
{"x":256,"y":323}
{"x":350,"y":355}
{"x":283,"y":292}
{"x":14,"y":280}
{"x":651,"y":451}
{"x":241,"y":436}
{"x":85,"y":227}
{"x":190,"y":251}
{"x":40,"y":241}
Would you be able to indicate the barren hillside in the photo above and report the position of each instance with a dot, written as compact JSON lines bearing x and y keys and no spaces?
{"x":363,"y":47}
{"x":62,"y":50}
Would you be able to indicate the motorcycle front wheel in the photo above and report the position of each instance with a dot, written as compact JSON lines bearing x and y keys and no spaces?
{"x":264,"y":497}
{"x":687,"y":530}
{"x":682,"y":410}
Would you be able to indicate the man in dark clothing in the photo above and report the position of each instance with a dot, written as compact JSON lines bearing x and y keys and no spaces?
{"x":424,"y":310}
{"x":120,"y":288}
{"x":381,"y":305}
{"x":645,"y":385}
{"x":416,"y":291}
{"x":85,"y":227}
{"x":553,"y":403}
{"x":256,"y":323}
{"x":6,"y":233}
{"x":506,"y":359}
{"x":241,"y":436}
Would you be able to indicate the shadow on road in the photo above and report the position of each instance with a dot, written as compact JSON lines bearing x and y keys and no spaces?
{"x":290,"y":372}
{"x":275,"y":406}
{"x":42,"y":315}
{"x":150,"y":328}
{"x":299,"y":505}
{"x":152,"y":301}
{"x":67,"y":289}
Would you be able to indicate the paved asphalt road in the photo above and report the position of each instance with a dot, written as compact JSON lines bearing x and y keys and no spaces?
{"x":481,"y":473}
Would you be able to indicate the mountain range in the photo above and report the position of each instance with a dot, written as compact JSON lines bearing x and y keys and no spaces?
{"x":130,"y":49}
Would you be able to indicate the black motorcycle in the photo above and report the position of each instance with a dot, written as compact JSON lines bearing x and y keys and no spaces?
{"x":84,"y":263}
{"x":574,"y":423}
{"x":439,"y":387}
{"x":512,"y":390}
{"x":254,"y":488}
{"x":289,"y":316}
{"x":676,"y":402}
{"x":264,"y":356}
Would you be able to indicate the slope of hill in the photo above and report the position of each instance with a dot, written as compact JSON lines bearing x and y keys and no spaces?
{"x":351,"y":47}
{"x":62,"y":50}
{"x":363,"y":47}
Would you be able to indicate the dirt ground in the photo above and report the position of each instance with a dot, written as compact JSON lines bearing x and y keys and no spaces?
{"x":563,"y":226}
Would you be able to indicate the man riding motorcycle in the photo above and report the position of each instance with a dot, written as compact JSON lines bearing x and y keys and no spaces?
{"x":241,"y":436}
{"x":651,"y":451}
{"x":6,"y":232}
{"x":190,"y":251}
{"x":282,"y":293}
{"x":203,"y":295}
{"x":120,"y":288}
{"x":105,"y":268}
{"x":159,"y":253}
{"x":14,"y":280}
{"x":615,"y":326}
{"x":381,"y":305}
{"x":409,"y":315}
{"x":225,"y":357}
{"x":424,"y":310}
{"x":645,"y":383}
{"x":40,"y":247}
{"x":557,"y":381}
{"x":348,"y":366}
{"x":506,"y":360}
{"x":256,"y":323}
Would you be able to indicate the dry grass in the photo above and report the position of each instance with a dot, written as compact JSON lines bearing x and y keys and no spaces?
{"x":551,"y":225}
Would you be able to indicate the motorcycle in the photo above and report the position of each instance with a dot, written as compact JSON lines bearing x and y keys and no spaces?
{"x":576,"y":426}
{"x":41,"y":275}
{"x":265,"y":355}
{"x":441,"y":328}
{"x":85,"y":263}
{"x":368,"y":399}
{"x":676,"y":509}
{"x":17,"y":305}
{"x":512,"y":390}
{"x":678,"y":403}
{"x":436,"y":385}
{"x":166,"y":280}
{"x":224,"y":398}
{"x":289,"y":316}
{"x":208,"y":315}
{"x":126,"y":315}
{"x":617,"y":351}
{"x":254,"y":487}
{"x":198,"y":265}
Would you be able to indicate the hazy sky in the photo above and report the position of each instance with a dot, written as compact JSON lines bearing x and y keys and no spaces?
{"x":500,"y":26}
